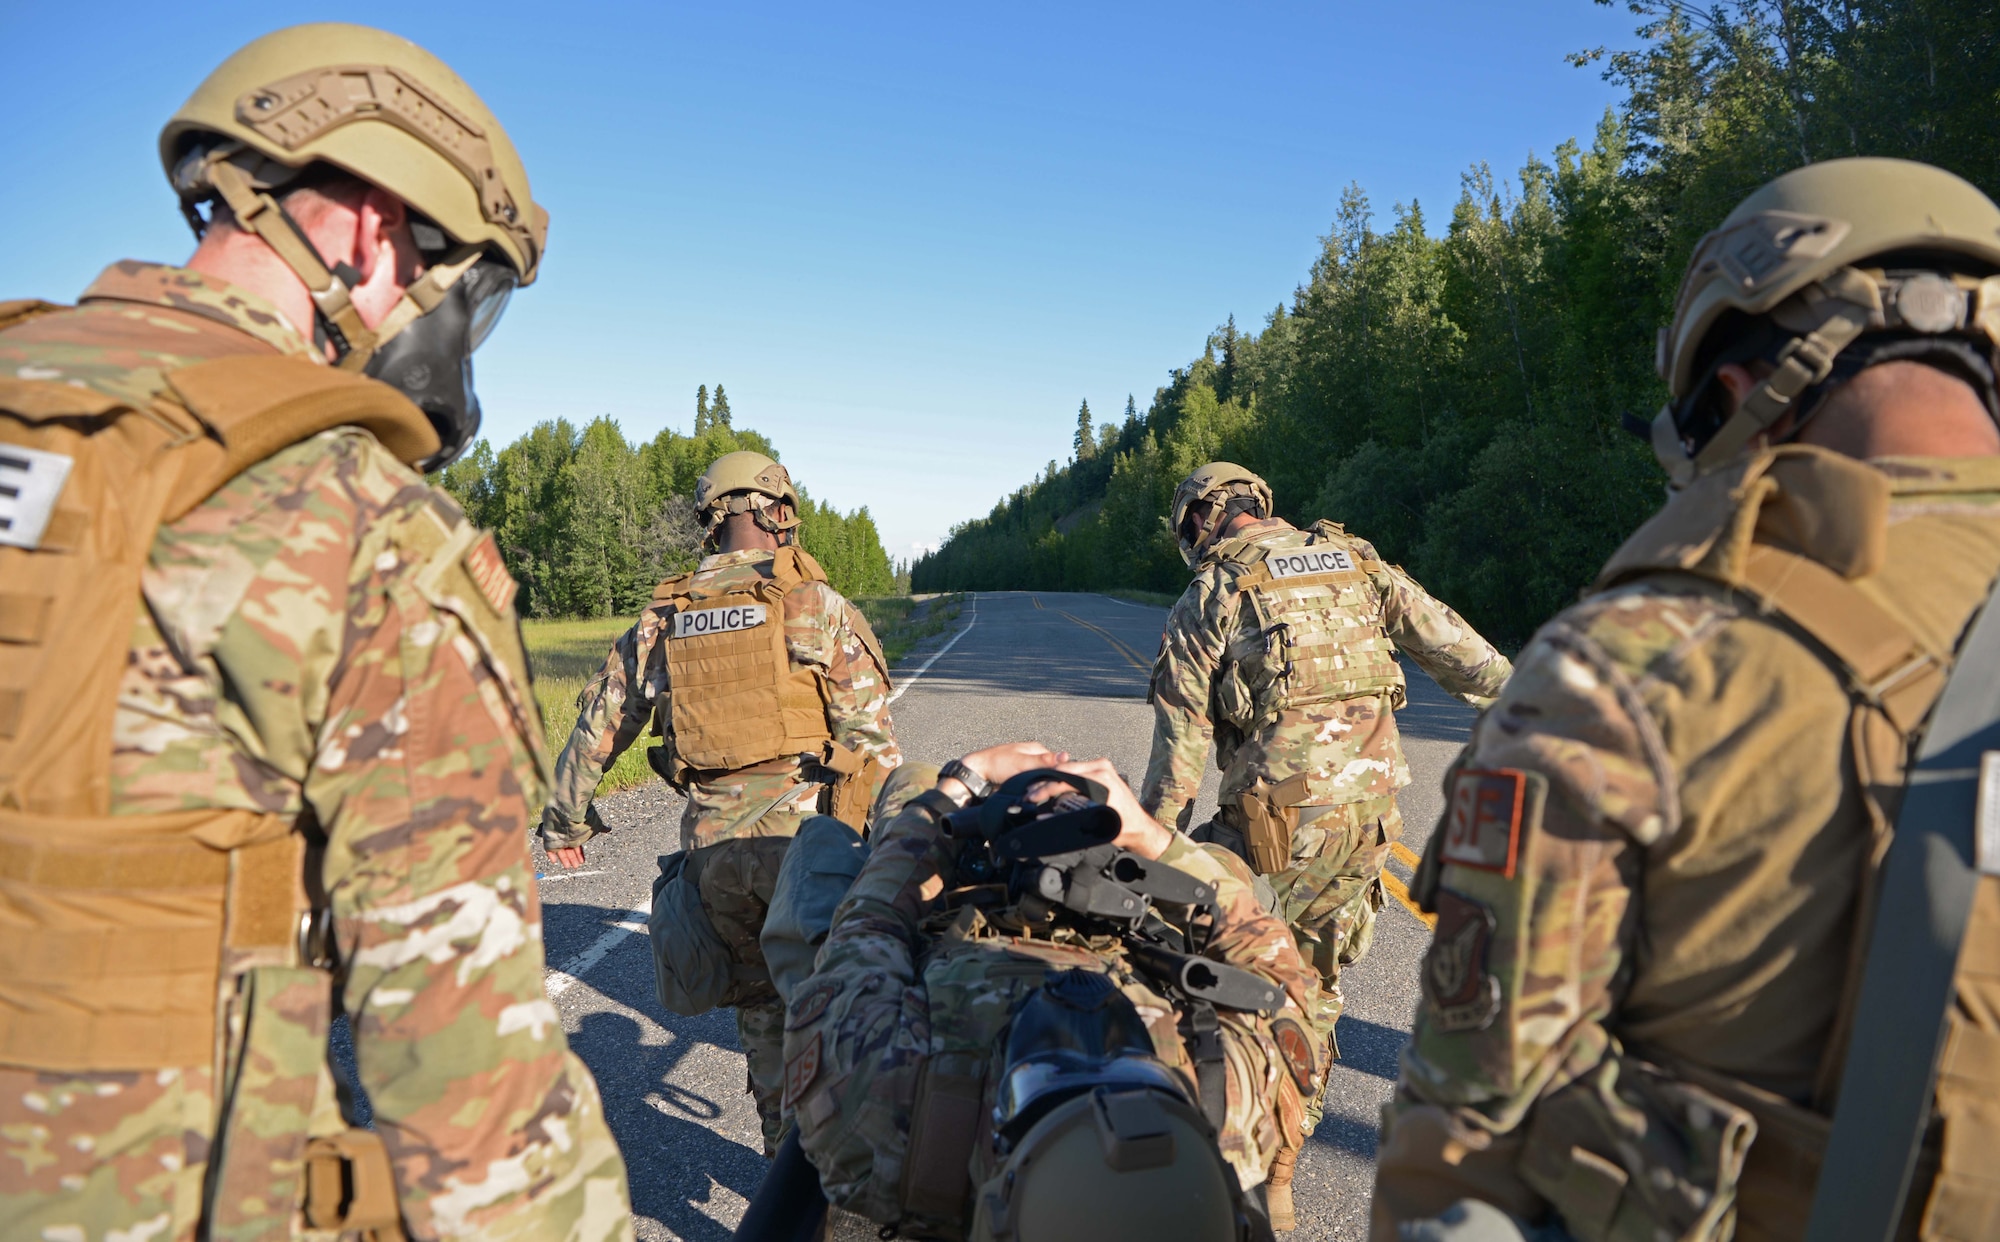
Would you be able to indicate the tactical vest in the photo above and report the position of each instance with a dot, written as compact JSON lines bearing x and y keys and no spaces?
{"x":1321,"y":615}
{"x":1793,"y":530}
{"x":119,"y":925}
{"x":734,"y":698}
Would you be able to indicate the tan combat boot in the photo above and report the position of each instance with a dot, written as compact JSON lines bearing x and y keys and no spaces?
{"x":1278,"y":1190}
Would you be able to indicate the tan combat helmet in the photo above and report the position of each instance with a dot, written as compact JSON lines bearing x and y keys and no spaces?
{"x":745,"y":482}
{"x":1826,"y":270}
{"x":1125,"y":1166}
{"x":374,"y":105}
{"x":1219,"y":483}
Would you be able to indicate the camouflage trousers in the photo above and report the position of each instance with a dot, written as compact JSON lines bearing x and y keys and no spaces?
{"x":738,"y":877}
{"x":1329,"y":896}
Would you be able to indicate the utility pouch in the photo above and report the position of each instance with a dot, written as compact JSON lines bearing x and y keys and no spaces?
{"x":1630,"y":1153}
{"x":945,"y":1126}
{"x":857,"y":778}
{"x":691,"y":965}
{"x":1267,"y":816}
{"x":351,"y":1186}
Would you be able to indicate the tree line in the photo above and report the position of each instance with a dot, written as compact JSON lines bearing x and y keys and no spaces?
{"x":590,"y":523}
{"x":1457,"y":396}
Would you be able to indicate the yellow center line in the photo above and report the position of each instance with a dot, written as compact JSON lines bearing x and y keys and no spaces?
{"x":1403,"y":854}
{"x":1401,"y":892}
{"x":1036,"y":600}
{"x":1131,"y":657}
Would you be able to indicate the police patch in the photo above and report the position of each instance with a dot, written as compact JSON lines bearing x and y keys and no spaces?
{"x":1297,"y":1048}
{"x":1460,"y":993}
{"x":1483,"y":827}
{"x":811,"y":1004}
{"x":695,"y":622}
{"x":489,"y":573}
{"x":801,"y":1072}
{"x":1298,"y":562}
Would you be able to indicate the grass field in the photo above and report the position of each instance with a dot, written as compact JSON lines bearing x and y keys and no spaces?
{"x":567,"y":654}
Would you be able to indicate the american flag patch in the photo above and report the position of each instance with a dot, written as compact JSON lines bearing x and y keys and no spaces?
{"x":489,"y":573}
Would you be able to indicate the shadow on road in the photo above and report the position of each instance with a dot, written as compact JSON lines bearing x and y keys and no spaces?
{"x":1349,"y":1135}
{"x":675,"y":1161}
{"x":1369,"y":1047}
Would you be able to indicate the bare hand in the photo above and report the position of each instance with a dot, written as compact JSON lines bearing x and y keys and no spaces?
{"x":568,"y":857}
{"x":1138,"y":831}
{"x":1000,"y":763}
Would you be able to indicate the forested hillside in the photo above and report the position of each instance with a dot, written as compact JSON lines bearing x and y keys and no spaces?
{"x":589,"y":523}
{"x":1452,"y":389}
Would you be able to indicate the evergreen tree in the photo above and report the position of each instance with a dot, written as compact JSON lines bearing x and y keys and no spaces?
{"x":1456,"y":398}
{"x":1085,"y":441}
{"x":701,"y":417}
{"x":719,"y":412}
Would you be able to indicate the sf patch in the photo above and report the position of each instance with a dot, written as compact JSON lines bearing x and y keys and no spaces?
{"x":1461,"y":994}
{"x":1296,"y":1046}
{"x":1483,"y":827}
{"x":801,"y":1072}
{"x":489,"y":573}
{"x":811,"y":1004}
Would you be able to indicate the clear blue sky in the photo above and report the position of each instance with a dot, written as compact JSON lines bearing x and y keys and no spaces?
{"x":909,"y":239}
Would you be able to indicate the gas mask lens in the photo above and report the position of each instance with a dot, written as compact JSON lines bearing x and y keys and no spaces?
{"x":488,"y":285}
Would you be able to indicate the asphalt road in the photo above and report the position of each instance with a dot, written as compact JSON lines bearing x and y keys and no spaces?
{"x":1068,"y":670}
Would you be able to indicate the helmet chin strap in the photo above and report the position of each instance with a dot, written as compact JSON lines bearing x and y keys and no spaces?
{"x":331,"y":289}
{"x":354,"y":342}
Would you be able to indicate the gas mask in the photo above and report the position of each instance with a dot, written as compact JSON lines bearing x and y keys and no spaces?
{"x":430,"y":359}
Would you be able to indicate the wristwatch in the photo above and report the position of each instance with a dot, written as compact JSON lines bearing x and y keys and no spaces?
{"x":976,"y":784}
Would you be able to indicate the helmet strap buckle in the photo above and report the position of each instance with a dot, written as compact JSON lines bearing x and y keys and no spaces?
{"x":354,"y":342}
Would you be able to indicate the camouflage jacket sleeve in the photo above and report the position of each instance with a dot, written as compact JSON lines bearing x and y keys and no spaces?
{"x":1190,"y":657}
{"x":611,"y":714}
{"x":1527,"y":964}
{"x":374,"y":652}
{"x":858,"y":1030}
{"x":825,"y":631}
{"x":1271,"y":1064}
{"x":1455,"y":655}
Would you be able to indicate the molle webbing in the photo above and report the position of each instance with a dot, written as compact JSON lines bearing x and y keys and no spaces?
{"x":68,"y":603}
{"x":734,"y":698}
{"x":122,"y":928}
{"x":117,"y":928}
{"x":1328,"y":643}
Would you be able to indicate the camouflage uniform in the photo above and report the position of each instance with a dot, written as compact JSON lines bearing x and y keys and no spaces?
{"x":1216,"y":672}
{"x":1657,"y":939}
{"x":759,"y":808}
{"x":286,"y":662}
{"x":862,"y":1029}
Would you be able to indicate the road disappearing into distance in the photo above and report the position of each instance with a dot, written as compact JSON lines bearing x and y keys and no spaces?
{"x":1068,"y":670}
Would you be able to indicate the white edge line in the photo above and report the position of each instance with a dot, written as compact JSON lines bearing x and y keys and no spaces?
{"x":937,"y":655}
{"x":558,"y":980}
{"x":1126,"y":603}
{"x":560,"y":876}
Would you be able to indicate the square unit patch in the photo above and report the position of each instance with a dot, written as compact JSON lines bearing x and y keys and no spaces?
{"x":801,"y":1072}
{"x":1483,"y":827}
{"x":489,"y":573}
